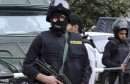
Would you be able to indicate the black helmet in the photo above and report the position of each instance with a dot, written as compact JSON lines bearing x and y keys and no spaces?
{"x":58,"y":5}
{"x":120,"y":24}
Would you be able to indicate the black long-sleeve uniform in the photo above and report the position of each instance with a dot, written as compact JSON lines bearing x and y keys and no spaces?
{"x":51,"y":47}
{"x":114,"y":54}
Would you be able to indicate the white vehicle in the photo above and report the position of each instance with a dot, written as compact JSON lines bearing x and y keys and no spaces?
{"x":98,"y":41}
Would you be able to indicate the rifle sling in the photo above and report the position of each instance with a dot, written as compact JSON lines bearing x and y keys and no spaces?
{"x":65,"y":53}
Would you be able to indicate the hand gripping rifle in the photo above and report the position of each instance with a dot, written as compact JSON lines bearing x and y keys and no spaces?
{"x":60,"y":77}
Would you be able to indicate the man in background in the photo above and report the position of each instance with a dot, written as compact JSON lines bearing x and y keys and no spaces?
{"x":76,"y":25}
{"x":116,"y":50}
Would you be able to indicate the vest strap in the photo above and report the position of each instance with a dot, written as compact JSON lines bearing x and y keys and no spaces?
{"x":65,"y":53}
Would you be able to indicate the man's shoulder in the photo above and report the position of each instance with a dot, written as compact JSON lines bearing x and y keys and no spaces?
{"x":113,"y":41}
{"x":45,"y":32}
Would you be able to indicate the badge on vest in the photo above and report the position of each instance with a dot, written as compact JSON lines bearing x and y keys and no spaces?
{"x":76,"y":42}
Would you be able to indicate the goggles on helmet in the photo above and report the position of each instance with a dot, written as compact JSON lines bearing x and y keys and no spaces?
{"x":63,"y":2}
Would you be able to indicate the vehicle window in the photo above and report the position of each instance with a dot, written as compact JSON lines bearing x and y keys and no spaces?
{"x":23,"y":24}
{"x":100,"y":41}
{"x":100,"y":45}
{"x":20,"y":2}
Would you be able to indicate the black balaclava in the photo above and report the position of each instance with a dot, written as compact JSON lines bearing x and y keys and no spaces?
{"x":58,"y":27}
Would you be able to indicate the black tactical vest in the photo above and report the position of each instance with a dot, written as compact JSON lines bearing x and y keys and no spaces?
{"x":121,"y":51}
{"x":52,"y":51}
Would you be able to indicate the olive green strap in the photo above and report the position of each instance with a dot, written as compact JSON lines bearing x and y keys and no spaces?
{"x":65,"y":53}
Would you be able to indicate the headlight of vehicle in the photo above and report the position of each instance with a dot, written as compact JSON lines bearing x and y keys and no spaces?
{"x":5,"y":74}
{"x":4,"y":69}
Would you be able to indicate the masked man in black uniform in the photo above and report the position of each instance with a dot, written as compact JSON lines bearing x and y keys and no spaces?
{"x":49,"y":45}
{"x":116,"y":50}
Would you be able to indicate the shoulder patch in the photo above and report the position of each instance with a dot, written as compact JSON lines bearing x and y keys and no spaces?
{"x":76,"y":42}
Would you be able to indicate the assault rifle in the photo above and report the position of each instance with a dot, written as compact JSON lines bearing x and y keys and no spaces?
{"x":60,"y":77}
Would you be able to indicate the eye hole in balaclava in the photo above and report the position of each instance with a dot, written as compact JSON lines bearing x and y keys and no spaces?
{"x":59,"y":21}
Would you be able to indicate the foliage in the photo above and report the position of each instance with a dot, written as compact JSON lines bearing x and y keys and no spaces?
{"x":91,"y":10}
